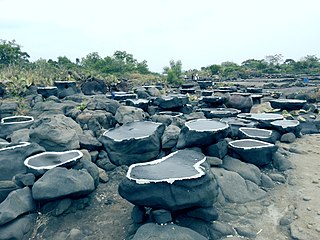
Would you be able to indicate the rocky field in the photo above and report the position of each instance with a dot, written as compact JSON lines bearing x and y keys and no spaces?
{"x":202,"y":161}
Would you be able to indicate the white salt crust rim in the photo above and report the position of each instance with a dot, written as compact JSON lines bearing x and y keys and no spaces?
{"x":242,"y":129}
{"x":26,"y":162}
{"x":206,"y":130}
{"x":197,"y":167}
{"x":288,"y":123}
{"x":137,"y":138}
{"x":47,"y":88}
{"x":20,"y":144}
{"x":289,"y":101}
{"x":30,"y":119}
{"x":263,"y":144}
{"x":262,"y":116}
{"x":65,"y":81}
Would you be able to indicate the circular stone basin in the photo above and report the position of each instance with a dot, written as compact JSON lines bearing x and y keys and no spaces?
{"x":170,"y":113}
{"x":47,"y":91}
{"x":212,"y":99}
{"x":286,"y":125}
{"x":134,"y":130}
{"x":288,"y":104}
{"x":179,"y":165}
{"x":258,"y":134}
{"x":10,"y":124}
{"x":236,"y":123}
{"x":8,"y":146}
{"x":254,"y":90}
{"x":261,"y":116}
{"x":206,"y":125}
{"x":220,"y":112}
{"x":17,"y":120}
{"x":252,"y":151}
{"x":49,"y":160}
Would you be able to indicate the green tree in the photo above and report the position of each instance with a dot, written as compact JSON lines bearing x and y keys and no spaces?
{"x":174,"y":72}
{"x":215,"y":69}
{"x":11,"y":53}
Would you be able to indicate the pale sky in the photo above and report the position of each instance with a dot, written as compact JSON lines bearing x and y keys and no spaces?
{"x":199,"y":33}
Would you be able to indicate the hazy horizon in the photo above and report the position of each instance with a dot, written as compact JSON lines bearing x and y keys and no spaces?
{"x":197,"y":33}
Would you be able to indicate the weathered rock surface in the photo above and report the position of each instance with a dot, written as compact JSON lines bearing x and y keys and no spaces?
{"x":56,"y":133}
{"x":236,"y":189}
{"x":202,"y":132}
{"x":133,"y":142}
{"x":170,"y":137}
{"x":17,"y":203}
{"x":183,"y":187}
{"x":18,"y":229}
{"x":12,"y":157}
{"x":61,"y":182}
{"x":127,"y":114}
{"x":152,"y":231}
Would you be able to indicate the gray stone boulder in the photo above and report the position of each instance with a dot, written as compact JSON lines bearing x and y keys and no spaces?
{"x":18,"y":229}
{"x":246,"y":170}
{"x":56,"y":133}
{"x":17,"y":203}
{"x":170,"y":137}
{"x":236,"y":189}
{"x":152,"y":231}
{"x":241,"y":102}
{"x":94,"y":86}
{"x":252,"y":151}
{"x":8,"y":108}
{"x":134,"y":142}
{"x":10,"y":124}
{"x":52,"y":107}
{"x":61,"y":183}
{"x":127,"y":114}
{"x":105,"y":119}
{"x":12,"y":157}
{"x":171,"y":101}
{"x":219,"y":149}
{"x":181,"y":180}
{"x":201,"y":133}
{"x":6,"y":187}
{"x":21,"y":135}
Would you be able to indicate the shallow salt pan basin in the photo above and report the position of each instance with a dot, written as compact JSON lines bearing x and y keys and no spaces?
{"x":255,"y":132}
{"x":252,"y":151}
{"x":16,"y":120}
{"x":49,"y":160}
{"x":134,"y":130}
{"x":179,"y":165}
{"x":205,"y":125}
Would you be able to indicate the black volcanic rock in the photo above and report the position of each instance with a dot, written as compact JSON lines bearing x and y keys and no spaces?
{"x":174,"y":182}
{"x":134,"y":142}
{"x":288,"y":104}
{"x":171,"y":101}
{"x":259,"y":134}
{"x":202,"y":132}
{"x":12,"y":157}
{"x":10,"y":124}
{"x":252,"y":151}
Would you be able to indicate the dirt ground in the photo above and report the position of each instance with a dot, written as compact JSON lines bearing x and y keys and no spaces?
{"x":290,"y":211}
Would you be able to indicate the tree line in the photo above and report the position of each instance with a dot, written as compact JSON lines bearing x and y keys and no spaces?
{"x":18,"y":70}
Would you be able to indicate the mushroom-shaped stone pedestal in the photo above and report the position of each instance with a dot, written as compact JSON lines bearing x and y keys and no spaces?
{"x":171,"y":101}
{"x":219,"y":112}
{"x":133,"y":142}
{"x":41,"y":162}
{"x":10,"y":124}
{"x":235,"y":123}
{"x":66,"y":88}
{"x":47,"y":91}
{"x":286,"y":126}
{"x":258,"y":134}
{"x":176,"y":182}
{"x":288,"y":104}
{"x":252,"y":151}
{"x":202,"y":132}
{"x":264,"y":119}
